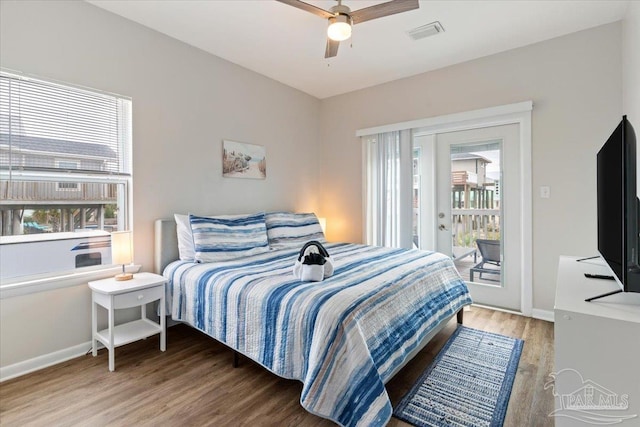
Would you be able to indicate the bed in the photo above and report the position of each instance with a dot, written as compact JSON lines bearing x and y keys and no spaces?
{"x":343,"y":338}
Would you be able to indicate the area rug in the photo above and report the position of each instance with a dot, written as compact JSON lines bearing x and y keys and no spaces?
{"x":468,"y":383}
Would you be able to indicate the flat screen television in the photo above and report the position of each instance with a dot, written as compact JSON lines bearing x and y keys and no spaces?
{"x":619,"y":207}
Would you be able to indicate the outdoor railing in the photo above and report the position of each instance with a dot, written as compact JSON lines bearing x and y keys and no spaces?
{"x":51,"y":192}
{"x":463,"y":177}
{"x":471,"y":224}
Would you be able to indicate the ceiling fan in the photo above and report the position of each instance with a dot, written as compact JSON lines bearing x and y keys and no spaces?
{"x":341,"y":18}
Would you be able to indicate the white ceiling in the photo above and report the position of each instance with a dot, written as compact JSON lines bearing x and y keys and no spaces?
{"x":287,"y":44}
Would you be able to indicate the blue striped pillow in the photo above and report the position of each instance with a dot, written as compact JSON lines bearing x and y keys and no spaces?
{"x":222,"y":239}
{"x":287,"y":230}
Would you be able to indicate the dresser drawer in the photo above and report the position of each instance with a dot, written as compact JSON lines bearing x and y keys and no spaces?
{"x":139,"y":297}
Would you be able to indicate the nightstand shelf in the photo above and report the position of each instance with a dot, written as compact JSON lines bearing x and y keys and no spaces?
{"x":130,"y":332}
{"x":143,"y":289}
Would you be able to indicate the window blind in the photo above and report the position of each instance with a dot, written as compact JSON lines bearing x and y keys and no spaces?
{"x":45,"y":126}
{"x":388,"y":186}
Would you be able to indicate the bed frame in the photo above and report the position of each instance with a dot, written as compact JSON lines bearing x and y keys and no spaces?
{"x":166,"y":251}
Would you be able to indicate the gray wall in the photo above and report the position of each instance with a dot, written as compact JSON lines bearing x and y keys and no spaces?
{"x":631,"y":70}
{"x":575,"y":83}
{"x":631,"y":65}
{"x":185,"y":102}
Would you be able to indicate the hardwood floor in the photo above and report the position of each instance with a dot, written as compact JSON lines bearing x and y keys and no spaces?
{"x":194,"y":384}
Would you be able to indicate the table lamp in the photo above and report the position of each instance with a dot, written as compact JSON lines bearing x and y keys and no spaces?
{"x":121,"y":252}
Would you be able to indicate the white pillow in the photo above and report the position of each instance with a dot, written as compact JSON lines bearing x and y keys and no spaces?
{"x":186,"y":249}
{"x":224,"y":238}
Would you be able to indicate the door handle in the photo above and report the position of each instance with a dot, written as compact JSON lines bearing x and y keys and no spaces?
{"x":443,"y":227}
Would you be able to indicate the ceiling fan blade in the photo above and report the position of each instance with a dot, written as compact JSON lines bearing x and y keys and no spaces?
{"x":383,"y":9}
{"x":332,"y":48}
{"x":308,"y":7}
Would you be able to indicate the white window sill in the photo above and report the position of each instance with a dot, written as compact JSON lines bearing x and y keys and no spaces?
{"x":31,"y":285}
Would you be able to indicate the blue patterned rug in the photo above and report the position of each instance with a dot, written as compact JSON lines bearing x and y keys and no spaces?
{"x":468,"y":384}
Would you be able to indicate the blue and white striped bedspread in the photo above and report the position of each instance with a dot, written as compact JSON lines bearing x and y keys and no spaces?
{"x":342,"y":337}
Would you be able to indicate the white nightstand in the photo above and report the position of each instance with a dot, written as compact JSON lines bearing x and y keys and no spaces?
{"x":112,"y":295}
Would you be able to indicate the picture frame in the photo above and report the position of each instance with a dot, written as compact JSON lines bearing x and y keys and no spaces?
{"x":243,"y":160}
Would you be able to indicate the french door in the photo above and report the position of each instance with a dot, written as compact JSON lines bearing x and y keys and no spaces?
{"x":467,"y":205}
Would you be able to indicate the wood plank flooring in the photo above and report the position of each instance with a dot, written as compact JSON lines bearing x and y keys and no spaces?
{"x":194,"y":384}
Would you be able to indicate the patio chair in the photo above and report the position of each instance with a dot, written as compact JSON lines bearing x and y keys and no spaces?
{"x":490,"y":252}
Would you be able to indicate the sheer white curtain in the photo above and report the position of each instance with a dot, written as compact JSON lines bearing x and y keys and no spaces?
{"x":388,"y":189}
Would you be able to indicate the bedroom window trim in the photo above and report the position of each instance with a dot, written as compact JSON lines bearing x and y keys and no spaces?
{"x":455,"y":121}
{"x":42,"y":283}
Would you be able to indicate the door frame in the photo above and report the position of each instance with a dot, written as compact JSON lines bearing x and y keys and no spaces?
{"x":518,"y":113}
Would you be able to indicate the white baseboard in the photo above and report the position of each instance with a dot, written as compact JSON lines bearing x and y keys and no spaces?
{"x":504,"y":310}
{"x":44,"y":361}
{"x":536,"y":313}
{"x":547,"y":315}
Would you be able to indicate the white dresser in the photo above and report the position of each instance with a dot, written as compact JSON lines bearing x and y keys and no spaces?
{"x":597,"y":348}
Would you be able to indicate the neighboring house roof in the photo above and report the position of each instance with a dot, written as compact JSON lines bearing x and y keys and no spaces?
{"x":468,"y":156}
{"x":57,"y":146}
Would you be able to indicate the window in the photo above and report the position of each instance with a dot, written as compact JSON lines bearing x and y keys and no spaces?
{"x":64,"y":186}
{"x":65,"y":160}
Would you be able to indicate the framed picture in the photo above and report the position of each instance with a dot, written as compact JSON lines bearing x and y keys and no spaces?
{"x":242,"y":160}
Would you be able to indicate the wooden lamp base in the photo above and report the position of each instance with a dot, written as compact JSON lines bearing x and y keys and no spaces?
{"x":124,"y":276}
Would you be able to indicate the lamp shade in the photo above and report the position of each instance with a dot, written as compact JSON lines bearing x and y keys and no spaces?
{"x":121,"y":252}
{"x":323,"y":224}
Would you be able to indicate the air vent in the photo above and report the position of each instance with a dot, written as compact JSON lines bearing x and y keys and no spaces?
{"x":426,"y":30}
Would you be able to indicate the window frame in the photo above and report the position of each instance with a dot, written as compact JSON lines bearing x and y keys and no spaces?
{"x":123,"y":178}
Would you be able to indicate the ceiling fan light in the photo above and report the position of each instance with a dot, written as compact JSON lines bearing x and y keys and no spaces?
{"x":339,"y":28}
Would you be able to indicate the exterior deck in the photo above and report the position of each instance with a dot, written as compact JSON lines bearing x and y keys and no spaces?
{"x":30,"y":194}
{"x":78,"y":204}
{"x":464,"y":268}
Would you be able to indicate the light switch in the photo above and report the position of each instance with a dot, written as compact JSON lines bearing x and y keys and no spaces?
{"x":545,"y":192}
